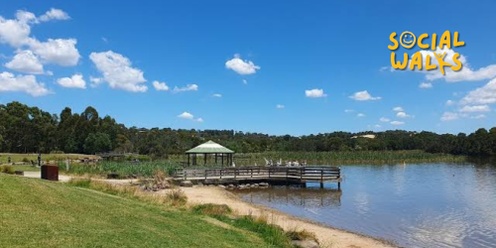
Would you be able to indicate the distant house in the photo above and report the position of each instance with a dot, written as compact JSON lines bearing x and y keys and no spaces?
{"x":368,"y":136}
{"x":220,"y":153}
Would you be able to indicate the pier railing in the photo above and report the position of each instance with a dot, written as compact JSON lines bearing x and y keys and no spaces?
{"x":300,"y":174}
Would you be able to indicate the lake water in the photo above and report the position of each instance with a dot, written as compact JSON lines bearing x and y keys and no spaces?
{"x":414,"y":205}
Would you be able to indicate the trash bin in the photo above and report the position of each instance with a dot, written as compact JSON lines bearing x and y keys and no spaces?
{"x":50,"y":172}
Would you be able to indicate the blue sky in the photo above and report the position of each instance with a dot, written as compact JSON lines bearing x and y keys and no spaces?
{"x":254,"y":66}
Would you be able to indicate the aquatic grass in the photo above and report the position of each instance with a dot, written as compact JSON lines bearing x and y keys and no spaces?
{"x":348,"y":157}
{"x":123,"y":169}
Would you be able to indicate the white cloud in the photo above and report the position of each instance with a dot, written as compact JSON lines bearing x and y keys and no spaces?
{"x":25,"y":61}
{"x":398,"y":109}
{"x":243,"y":67}
{"x":315,"y":93}
{"x":22,"y":83}
{"x":465,"y":74}
{"x":349,"y":110}
{"x":62,"y":52}
{"x":483,"y":95}
{"x":95,"y":81}
{"x":397,"y":123}
{"x":217,"y":95}
{"x":245,"y":81}
{"x":186,"y":115}
{"x":117,"y":71}
{"x":54,"y":14}
{"x":449,"y":116}
{"x":450,"y":103}
{"x":384,"y":119}
{"x":402,"y":114}
{"x":475,"y":108}
{"x":189,"y":116}
{"x":363,"y":96}
{"x":26,"y":17}
{"x":279,"y":106}
{"x":360,"y":115}
{"x":16,"y":33}
{"x":76,"y":81}
{"x":377,"y":126}
{"x":425,"y":85}
{"x":189,"y":87}
{"x":160,"y":86}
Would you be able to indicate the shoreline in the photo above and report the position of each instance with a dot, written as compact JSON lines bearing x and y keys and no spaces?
{"x":327,"y":236}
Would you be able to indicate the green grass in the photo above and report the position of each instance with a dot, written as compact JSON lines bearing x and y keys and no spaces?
{"x":25,"y":168}
{"x":271,"y":234}
{"x":38,"y":213}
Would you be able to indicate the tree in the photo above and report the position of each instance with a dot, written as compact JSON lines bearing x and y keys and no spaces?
{"x":97,"y":142}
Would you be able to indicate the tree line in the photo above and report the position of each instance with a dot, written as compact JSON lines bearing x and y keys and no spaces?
{"x":25,"y":129}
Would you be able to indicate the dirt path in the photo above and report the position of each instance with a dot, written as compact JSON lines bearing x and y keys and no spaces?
{"x":37,"y":174}
{"x":328,"y":237}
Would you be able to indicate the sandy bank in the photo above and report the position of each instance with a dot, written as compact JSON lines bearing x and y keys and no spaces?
{"x":328,"y":237}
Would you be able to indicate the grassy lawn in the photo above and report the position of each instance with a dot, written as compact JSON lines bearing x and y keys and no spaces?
{"x":25,"y":168}
{"x":27,"y":157}
{"x":36,"y":213}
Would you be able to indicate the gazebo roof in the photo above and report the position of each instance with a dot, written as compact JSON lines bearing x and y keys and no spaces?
{"x":209,"y":147}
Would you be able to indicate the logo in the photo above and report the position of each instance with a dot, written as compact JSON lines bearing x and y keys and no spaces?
{"x":423,"y":59}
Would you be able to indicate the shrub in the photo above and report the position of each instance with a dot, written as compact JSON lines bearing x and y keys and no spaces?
{"x":212,"y":209}
{"x":25,"y":160}
{"x":301,"y":235}
{"x":7,"y":169}
{"x":176,"y":197}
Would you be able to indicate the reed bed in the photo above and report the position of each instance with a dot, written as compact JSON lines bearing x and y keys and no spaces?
{"x":348,"y":157}
{"x":122,"y":169}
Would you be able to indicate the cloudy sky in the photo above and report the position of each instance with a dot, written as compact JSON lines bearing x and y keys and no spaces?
{"x":294,"y":68}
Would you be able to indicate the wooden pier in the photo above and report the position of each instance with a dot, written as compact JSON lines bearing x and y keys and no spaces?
{"x":271,"y":175}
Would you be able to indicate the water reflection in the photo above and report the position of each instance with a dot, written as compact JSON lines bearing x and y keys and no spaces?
{"x":303,"y":197}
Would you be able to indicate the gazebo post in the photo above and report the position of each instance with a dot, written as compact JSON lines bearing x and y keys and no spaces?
{"x":222,"y":160}
{"x":188,"y":158}
{"x":204,"y":159}
{"x":216,"y":158}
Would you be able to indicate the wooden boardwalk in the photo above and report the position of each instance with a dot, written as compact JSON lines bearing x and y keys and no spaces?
{"x":279,"y":175}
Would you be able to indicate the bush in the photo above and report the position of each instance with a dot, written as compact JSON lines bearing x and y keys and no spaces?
{"x":301,"y":235}
{"x":212,"y":209}
{"x":25,"y":160}
{"x":176,"y":197}
{"x":7,"y":169}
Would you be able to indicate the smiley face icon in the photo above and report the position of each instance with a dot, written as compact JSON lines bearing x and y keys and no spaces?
{"x":407,"y":39}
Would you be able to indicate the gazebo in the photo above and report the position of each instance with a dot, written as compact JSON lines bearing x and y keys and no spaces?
{"x":211,"y":148}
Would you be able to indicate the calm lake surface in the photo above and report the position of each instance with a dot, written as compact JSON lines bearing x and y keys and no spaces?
{"x":414,"y":205}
